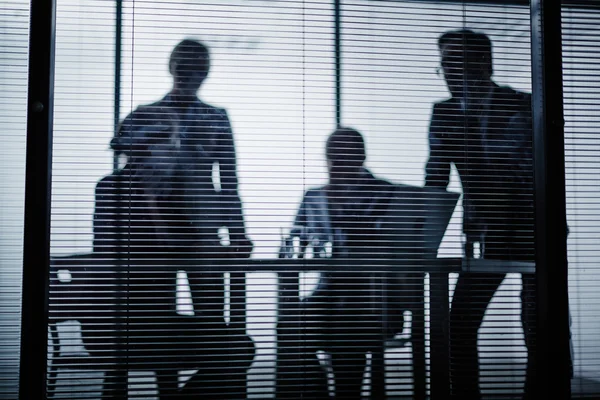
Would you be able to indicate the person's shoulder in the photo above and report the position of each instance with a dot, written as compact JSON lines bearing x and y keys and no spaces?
{"x":146,"y":112}
{"x":106,"y":186}
{"x":447,"y":106}
{"x":378,"y":185}
{"x":508,"y":93}
{"x":109,"y":180}
{"x":113,"y":179}
{"x":210,"y":109}
{"x":384,"y":185}
{"x":450,"y":101}
{"x":314,"y":193}
{"x":218,"y":116}
{"x":164,"y":102}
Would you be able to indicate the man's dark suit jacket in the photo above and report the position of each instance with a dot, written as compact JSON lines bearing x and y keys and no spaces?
{"x":360,"y":226}
{"x":491,"y":147}
{"x":206,"y":139}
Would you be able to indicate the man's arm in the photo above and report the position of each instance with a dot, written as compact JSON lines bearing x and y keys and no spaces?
{"x":230,"y":200}
{"x":519,"y":144}
{"x":437,"y":169}
{"x":226,"y":155}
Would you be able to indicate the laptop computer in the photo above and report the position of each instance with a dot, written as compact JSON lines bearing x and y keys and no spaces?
{"x":416,"y":220}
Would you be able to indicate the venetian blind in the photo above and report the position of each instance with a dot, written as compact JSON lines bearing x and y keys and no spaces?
{"x":227,"y":245}
{"x":581,"y":85}
{"x":14,"y":39}
{"x":270,"y":85}
{"x":389,"y":89}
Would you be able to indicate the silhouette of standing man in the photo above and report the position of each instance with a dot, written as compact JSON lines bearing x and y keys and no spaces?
{"x":485,"y":131}
{"x":207,"y":146}
{"x":177,"y":197}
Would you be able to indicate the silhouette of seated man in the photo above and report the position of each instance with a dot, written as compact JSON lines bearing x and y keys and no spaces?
{"x":343,"y":219}
{"x":147,"y":210}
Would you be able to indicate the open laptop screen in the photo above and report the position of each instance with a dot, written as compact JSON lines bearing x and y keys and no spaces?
{"x":416,"y":220}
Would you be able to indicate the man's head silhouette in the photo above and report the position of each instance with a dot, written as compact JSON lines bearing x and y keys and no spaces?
{"x":466,"y":62}
{"x":189,"y":65}
{"x":345,"y":153}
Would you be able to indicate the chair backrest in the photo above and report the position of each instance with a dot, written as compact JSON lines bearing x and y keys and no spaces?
{"x":109,"y":296}
{"x":124,"y":326}
{"x":82,"y":283}
{"x":82,"y":287}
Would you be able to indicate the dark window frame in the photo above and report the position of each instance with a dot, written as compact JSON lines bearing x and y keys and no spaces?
{"x":552,"y":298}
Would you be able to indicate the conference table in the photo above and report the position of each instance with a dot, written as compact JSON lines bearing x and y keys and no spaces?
{"x":80,"y":276}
